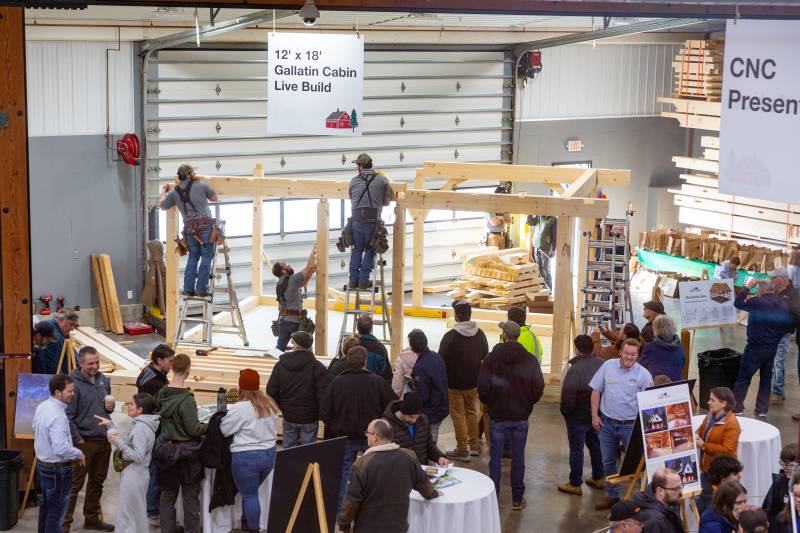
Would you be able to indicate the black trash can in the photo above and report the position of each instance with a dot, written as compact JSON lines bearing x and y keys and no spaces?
{"x":10,"y":465}
{"x":717,"y":368}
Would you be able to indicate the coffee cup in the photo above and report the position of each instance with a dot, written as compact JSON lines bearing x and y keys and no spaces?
{"x":109,"y":401}
{"x":112,"y":432}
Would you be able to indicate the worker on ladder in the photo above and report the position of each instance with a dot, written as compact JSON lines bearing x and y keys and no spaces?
{"x":369,"y":192}
{"x":289,"y":292}
{"x":200,"y":233}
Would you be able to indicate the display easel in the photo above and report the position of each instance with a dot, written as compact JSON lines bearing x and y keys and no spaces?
{"x":638,"y":478}
{"x":690,"y":498}
{"x":311,"y":472}
{"x":68,"y":347}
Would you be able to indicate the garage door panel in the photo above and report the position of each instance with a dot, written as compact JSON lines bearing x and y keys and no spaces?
{"x":190,"y":109}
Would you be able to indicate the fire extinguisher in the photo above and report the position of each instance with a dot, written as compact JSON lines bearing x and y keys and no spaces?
{"x":129,"y":149}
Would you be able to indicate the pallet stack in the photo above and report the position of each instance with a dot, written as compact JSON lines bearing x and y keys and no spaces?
{"x":107,"y":293}
{"x":698,"y":70}
{"x":498,"y":279}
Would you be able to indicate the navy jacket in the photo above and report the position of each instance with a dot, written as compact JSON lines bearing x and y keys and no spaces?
{"x":664,"y":357}
{"x":576,"y":394}
{"x":50,"y":354}
{"x":769,"y":318}
{"x":510,"y":382}
{"x":713,"y":522}
{"x":430,"y":381}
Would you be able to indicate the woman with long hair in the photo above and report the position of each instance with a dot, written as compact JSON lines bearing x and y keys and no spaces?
{"x":722,"y":517}
{"x":717,"y":435}
{"x":253,"y":422}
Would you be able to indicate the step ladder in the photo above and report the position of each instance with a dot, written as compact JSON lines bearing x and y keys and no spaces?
{"x":209,"y":306}
{"x":606,"y":290}
{"x":360,"y":297}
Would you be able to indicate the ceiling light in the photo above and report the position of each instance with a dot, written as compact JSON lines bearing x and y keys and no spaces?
{"x":309,"y":13}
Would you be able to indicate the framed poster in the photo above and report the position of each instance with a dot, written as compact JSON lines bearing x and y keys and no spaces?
{"x":707,"y":303}
{"x":32,"y":389}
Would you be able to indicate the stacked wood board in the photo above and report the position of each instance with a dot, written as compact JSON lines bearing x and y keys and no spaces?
{"x":103,"y":276}
{"x":698,"y":70}
{"x":498,"y":279}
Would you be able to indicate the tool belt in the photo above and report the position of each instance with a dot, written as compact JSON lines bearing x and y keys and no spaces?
{"x":289,"y":312}
{"x":366,"y":215}
{"x":192,"y":228}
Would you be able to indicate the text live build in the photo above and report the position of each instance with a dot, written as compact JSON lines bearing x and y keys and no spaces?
{"x":307,"y":71}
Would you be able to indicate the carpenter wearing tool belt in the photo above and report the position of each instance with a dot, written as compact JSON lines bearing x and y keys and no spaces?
{"x":191,"y":197}
{"x":496,"y":234}
{"x":289,"y":291}
{"x":369,"y":192}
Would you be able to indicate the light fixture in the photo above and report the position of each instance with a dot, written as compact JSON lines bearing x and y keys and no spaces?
{"x":309,"y":13}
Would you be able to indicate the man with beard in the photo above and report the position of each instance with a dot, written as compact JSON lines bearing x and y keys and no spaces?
{"x":657,"y":502}
{"x":289,"y":291}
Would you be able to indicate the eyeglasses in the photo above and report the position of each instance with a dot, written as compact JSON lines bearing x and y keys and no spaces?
{"x":679,"y":488}
{"x":368,"y":433}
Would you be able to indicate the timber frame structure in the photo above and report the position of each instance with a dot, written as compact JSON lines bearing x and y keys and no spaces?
{"x":574,"y":203}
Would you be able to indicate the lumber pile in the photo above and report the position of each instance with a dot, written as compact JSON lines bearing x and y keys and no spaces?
{"x":111,"y":352}
{"x":698,"y":70}
{"x":498,"y":279}
{"x":103,"y":276}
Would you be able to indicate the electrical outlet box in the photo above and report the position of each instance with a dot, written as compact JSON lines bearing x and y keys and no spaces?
{"x":76,"y":254}
{"x":130,"y":295}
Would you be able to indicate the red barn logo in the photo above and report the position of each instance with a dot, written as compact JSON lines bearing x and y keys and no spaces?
{"x":338,"y":120}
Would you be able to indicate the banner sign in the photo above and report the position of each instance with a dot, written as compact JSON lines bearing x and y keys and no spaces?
{"x":760,"y":110}
{"x":666,"y":419}
{"x":316,"y":84}
{"x":707,"y":303}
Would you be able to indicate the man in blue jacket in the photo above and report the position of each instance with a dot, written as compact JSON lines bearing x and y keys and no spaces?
{"x":430,"y":381}
{"x":51,"y":354}
{"x":768,"y":321}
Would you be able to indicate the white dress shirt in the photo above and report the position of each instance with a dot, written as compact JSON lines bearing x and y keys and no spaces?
{"x":52,"y":438}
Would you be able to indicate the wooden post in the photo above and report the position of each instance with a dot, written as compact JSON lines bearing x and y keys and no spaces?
{"x":419,"y":248}
{"x":321,"y":299}
{"x":563,"y":310}
{"x":257,"y":281}
{"x":171,"y":288}
{"x":398,"y":271}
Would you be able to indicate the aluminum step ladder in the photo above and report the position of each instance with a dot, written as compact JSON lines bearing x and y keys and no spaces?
{"x":361,"y":297}
{"x":606,"y":291}
{"x":209,"y":306}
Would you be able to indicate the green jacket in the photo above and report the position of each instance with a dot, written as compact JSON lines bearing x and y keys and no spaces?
{"x":544,"y":232}
{"x":529,"y":341}
{"x":178,"y":412}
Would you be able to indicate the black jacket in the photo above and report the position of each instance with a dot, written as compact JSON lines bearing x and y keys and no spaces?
{"x":774,"y":501}
{"x":216,"y":453}
{"x":647,"y":332}
{"x":462,"y":355}
{"x":151,"y":380}
{"x":421,"y":443}
{"x":576,"y":394}
{"x":336,"y":367}
{"x":353,"y":400}
{"x":430,"y":381}
{"x":297,"y":384}
{"x":377,"y":356}
{"x":655,"y":517}
{"x":510,"y":382}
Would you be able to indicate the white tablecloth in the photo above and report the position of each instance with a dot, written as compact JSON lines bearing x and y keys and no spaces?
{"x":468,"y":507}
{"x":759,"y":451}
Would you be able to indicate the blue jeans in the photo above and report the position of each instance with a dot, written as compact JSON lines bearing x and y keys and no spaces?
{"x":611,"y":436}
{"x":756,"y":358}
{"x":196,"y":279}
{"x":351,"y":449}
{"x":516,"y":432}
{"x":578,"y":434}
{"x":779,"y":368}
{"x":285,"y":329}
{"x":153,"y":491}
{"x":56,"y":483}
{"x":299,"y":434}
{"x":249,"y":470}
{"x":362,"y":258}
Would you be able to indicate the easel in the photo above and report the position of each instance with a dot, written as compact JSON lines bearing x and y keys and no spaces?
{"x":69,"y":348}
{"x":690,"y":498}
{"x":311,"y":471}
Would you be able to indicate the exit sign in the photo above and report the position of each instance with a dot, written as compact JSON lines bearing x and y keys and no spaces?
{"x":574,"y":145}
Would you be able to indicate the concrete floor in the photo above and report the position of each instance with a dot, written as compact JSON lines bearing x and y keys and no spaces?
{"x":547,"y":452}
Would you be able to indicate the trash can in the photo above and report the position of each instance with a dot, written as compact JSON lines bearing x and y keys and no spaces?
{"x":10,"y":465}
{"x":717,"y":368}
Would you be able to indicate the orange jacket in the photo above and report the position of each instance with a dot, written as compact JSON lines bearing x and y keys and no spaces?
{"x":723,"y":439}
{"x":611,"y":351}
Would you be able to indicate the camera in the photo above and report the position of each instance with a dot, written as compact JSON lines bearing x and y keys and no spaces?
{"x":309,"y":13}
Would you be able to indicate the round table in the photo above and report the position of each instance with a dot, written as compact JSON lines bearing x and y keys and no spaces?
{"x":759,"y":451}
{"x":467,"y":507}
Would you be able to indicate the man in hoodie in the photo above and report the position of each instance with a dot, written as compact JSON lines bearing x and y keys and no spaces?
{"x":767,"y":322}
{"x":377,"y":356}
{"x":463,"y":349}
{"x":576,"y":407}
{"x":151,"y":380}
{"x":297,"y":384}
{"x":353,"y":399}
{"x":510,"y":383}
{"x":412,"y":429}
{"x":181,"y":433}
{"x":88,"y":402}
{"x":430,"y":381}
{"x":656,"y":503}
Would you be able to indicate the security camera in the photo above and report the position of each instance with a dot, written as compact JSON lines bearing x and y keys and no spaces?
{"x":309,"y":13}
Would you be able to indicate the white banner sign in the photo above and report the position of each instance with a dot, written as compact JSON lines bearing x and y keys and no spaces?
{"x":760,"y":105}
{"x":316,"y":84}
{"x":666,"y":419}
{"x":707,"y":303}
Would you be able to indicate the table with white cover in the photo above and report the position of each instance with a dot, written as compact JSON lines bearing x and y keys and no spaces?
{"x":467,"y":507}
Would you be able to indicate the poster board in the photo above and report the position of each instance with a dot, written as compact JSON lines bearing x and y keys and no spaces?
{"x":707,"y":303}
{"x":32,"y":389}
{"x":665,"y":417}
{"x":290,"y":469}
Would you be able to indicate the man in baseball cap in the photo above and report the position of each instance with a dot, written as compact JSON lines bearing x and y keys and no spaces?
{"x":186,"y":171}
{"x":651,"y":310}
{"x":625,"y":517}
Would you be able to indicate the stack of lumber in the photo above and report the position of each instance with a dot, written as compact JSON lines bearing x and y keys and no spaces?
{"x":120,"y":359}
{"x":103,"y":277}
{"x":498,"y":279}
{"x":698,"y":70}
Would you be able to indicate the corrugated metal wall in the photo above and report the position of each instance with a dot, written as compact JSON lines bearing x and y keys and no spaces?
{"x":67,"y":88}
{"x":602,"y":81}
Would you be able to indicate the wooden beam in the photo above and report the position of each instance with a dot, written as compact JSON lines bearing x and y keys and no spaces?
{"x":101,"y":296}
{"x":238,"y":186}
{"x":694,"y":107}
{"x":701,"y":122}
{"x":398,"y":269}
{"x":110,"y":293}
{"x":542,"y":205}
{"x":563,"y":310}
{"x":694,"y":163}
{"x":321,"y":299}
{"x":519,"y":173}
{"x":418,"y":257}
{"x":584,"y":186}
{"x":171,"y":288}
{"x":707,"y":141}
{"x":257,"y":280}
